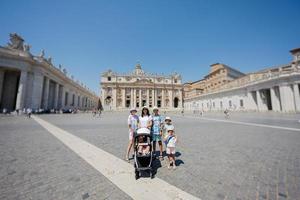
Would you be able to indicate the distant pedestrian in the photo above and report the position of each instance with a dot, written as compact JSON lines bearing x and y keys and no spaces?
{"x":99,"y":112}
{"x":94,"y":112}
{"x":29,"y":111}
{"x":4,"y":111}
{"x":226,"y":113}
{"x":17,"y":111}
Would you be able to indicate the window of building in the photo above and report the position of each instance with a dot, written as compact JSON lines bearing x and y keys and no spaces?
{"x":159,"y":103}
{"x":109,"y":78}
{"x":127,"y":103}
{"x":241,"y":103}
{"x":175,"y":80}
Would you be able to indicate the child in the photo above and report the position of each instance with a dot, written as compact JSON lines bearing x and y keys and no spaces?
{"x":171,"y":142}
{"x":143,"y":147}
{"x":165,"y":126}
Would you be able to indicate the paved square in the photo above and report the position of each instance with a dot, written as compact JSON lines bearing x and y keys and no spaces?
{"x":217,"y":158}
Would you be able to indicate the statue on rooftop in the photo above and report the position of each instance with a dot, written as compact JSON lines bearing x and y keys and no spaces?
{"x":42,"y":54}
{"x":26,"y":48}
{"x":16,"y":41}
{"x":49,"y":60}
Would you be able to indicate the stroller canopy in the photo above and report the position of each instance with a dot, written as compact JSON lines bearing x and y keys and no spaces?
{"x":143,"y":131}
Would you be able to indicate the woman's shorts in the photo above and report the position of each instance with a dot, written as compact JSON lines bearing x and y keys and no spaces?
{"x":156,"y":137}
{"x":170,"y":150}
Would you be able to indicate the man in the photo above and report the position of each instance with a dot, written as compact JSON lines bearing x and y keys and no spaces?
{"x":156,"y":131}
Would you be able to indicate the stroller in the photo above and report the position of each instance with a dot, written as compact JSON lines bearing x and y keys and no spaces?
{"x":143,"y":146}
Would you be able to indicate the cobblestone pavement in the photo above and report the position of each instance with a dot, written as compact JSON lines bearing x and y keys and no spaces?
{"x":35,"y":165}
{"x":217,"y":160}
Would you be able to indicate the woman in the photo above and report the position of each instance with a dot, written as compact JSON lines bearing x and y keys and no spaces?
{"x":145,"y":120}
{"x":133,"y":121}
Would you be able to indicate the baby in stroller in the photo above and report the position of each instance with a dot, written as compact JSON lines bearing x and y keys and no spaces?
{"x":143,"y":145}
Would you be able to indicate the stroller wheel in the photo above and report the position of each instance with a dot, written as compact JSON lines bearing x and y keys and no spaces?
{"x":136,"y":175}
{"x":151,"y":175}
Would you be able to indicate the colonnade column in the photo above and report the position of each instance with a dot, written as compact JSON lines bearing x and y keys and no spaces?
{"x":37,"y":90}
{"x":297,"y":96}
{"x":46,"y":93}
{"x":275,"y":99}
{"x":63,"y":97}
{"x":287,"y":98}
{"x":259,"y":100}
{"x":21,"y":90}
{"x":56,"y":96}
{"x":1,"y":82}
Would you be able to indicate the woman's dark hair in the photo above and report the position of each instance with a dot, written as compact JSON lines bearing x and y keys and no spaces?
{"x":148,"y":113}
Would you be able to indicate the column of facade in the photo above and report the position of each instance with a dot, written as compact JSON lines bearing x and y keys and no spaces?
{"x":132,"y":98}
{"x":287,"y":98}
{"x":172,"y":98}
{"x":148,"y":99}
{"x":140,"y":97}
{"x":124,"y":98}
{"x":21,"y":90}
{"x":1,"y":83}
{"x":163,"y":98}
{"x":275,"y":99}
{"x":114,"y":94}
{"x":296,"y":96}
{"x":153,"y":97}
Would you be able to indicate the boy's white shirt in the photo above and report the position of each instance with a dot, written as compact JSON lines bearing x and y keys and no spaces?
{"x":172,"y":141}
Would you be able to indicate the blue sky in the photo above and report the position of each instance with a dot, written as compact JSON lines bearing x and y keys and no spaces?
{"x":186,"y":36}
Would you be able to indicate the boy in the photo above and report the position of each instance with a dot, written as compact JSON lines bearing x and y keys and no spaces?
{"x":171,"y":142}
{"x":156,"y":131}
{"x":166,"y":125}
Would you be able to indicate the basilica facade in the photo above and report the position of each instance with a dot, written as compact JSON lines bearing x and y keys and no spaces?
{"x":138,"y":89}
